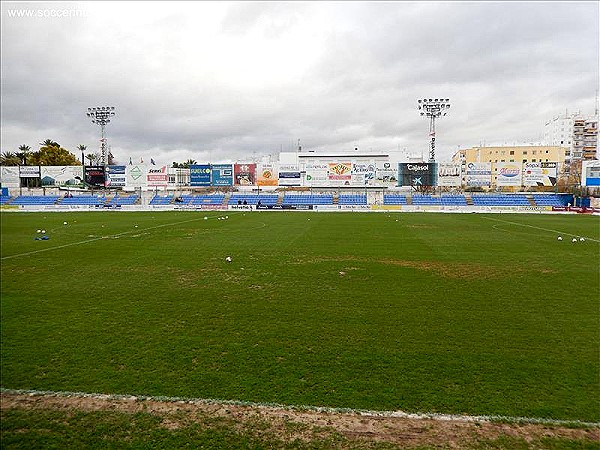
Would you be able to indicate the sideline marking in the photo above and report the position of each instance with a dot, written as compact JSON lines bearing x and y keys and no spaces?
{"x":87,"y":241}
{"x":539,"y":228}
{"x":361,"y":412}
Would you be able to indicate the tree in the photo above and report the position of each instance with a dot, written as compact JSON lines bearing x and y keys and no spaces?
{"x":54,"y":155}
{"x":25,"y":151}
{"x":184,"y":165}
{"x":93,"y":158}
{"x":82,"y":148}
{"x":10,"y":159}
{"x":49,"y":143}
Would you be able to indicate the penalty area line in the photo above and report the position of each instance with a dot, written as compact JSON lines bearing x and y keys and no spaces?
{"x":320,"y":409}
{"x":538,"y":228}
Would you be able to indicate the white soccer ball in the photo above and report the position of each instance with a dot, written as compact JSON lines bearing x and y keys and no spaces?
{"x":560,"y":238}
{"x":64,"y":223}
{"x":219,"y":218}
{"x":205,"y":218}
{"x":43,"y":231}
{"x":582,"y":239}
{"x":135,"y":226}
{"x":227,"y":217}
{"x":228,"y":259}
{"x":39,"y":231}
{"x":574,"y":239}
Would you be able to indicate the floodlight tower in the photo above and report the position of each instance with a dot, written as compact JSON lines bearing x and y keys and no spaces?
{"x":101,"y":115}
{"x":433,"y":108}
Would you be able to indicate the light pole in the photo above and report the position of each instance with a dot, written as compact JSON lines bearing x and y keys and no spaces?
{"x":433,"y":108}
{"x":101,"y":115}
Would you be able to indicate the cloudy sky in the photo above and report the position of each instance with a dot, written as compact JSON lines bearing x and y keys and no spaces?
{"x":221,"y":82}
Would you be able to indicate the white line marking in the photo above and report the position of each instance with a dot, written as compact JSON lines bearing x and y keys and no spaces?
{"x":540,"y":228}
{"x":361,"y":412}
{"x":87,"y":241}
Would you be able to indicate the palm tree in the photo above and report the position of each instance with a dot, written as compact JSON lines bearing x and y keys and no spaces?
{"x":24,"y":153}
{"x":82,"y":148}
{"x":49,"y":143}
{"x":93,"y":158}
{"x":9,"y":159}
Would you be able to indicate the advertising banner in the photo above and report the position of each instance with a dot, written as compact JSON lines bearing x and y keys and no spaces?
{"x":479,"y":174}
{"x":115,"y":176}
{"x":339,"y":174}
{"x":200,"y":175}
{"x":386,"y":174}
{"x":449,"y":174}
{"x":61,"y":175}
{"x":136,"y":176}
{"x":508,"y":174}
{"x":245,"y":174}
{"x":590,"y":173}
{"x":222,"y":175}
{"x":416,"y":174}
{"x":539,"y":173}
{"x":29,"y":171}
{"x":157,"y":177}
{"x":316,"y":174}
{"x":95,"y":176}
{"x":289,"y":175}
{"x":363,"y":174}
{"x":9,"y":176}
{"x":266,"y":175}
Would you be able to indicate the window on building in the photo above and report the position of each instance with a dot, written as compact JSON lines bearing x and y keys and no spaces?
{"x":534,"y":152}
{"x":512,"y":152}
{"x":546,"y":151}
{"x":524,"y":160}
{"x":503,"y":152}
{"x":512,"y":160}
{"x":533,"y":160}
{"x":502,"y":160}
{"x":524,"y":152}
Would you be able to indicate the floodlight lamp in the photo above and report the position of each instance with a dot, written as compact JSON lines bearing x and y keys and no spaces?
{"x":419,"y":100}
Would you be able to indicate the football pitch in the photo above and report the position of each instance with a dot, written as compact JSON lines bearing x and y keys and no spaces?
{"x":478,"y":314}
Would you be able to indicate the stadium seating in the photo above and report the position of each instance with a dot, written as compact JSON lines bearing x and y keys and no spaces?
{"x":35,"y":200}
{"x":500,"y":200}
{"x":253,"y":199}
{"x":394,"y":199}
{"x":84,"y":200}
{"x":160,"y":200}
{"x":551,"y":200}
{"x":118,"y":200}
{"x":454,"y":200}
{"x":352,"y":200}
{"x":308,"y":199}
{"x":4,"y":199}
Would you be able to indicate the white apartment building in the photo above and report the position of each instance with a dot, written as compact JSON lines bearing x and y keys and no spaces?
{"x":576,"y":132}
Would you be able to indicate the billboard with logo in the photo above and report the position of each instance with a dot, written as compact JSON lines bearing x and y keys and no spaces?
{"x":61,"y":175}
{"x":479,"y":174}
{"x":339,"y":174}
{"x":9,"y":176}
{"x":363,"y":174}
{"x":200,"y":175}
{"x":289,"y":175}
{"x":244,"y":174}
{"x":508,"y":174}
{"x":157,"y":177}
{"x":316,"y":174}
{"x":266,"y":175}
{"x":386,"y":174}
{"x":222,"y":175}
{"x":115,"y":176}
{"x":136,"y":176}
{"x":416,"y":174}
{"x":29,"y":171}
{"x":449,"y":175}
{"x":539,"y":173}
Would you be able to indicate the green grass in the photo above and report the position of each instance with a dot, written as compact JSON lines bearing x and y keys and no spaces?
{"x":453,"y":313}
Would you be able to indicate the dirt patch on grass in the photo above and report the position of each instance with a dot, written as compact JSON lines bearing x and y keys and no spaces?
{"x":306,"y":425}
